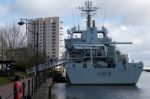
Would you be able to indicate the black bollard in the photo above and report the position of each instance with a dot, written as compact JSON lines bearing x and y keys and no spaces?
{"x":23,"y":86}
{"x":29,"y":86}
{"x":36,"y":83}
{"x":29,"y":96}
{"x":0,"y":97}
{"x":15,"y":91}
{"x":32,"y":88}
{"x":50,"y":92}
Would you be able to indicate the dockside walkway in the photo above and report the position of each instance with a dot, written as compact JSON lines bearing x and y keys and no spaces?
{"x":7,"y":89}
{"x":43,"y":91}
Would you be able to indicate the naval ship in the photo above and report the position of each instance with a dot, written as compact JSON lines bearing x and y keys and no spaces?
{"x":94,"y":58}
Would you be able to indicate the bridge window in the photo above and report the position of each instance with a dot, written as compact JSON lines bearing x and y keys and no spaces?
{"x":77,"y":36}
{"x":99,"y":35}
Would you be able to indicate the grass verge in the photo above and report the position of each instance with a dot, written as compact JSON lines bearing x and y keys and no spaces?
{"x":4,"y":80}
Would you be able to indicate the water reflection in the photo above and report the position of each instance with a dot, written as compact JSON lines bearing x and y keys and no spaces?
{"x":64,"y":91}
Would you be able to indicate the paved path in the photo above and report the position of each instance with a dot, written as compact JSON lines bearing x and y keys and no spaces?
{"x":7,"y":89}
{"x":43,"y":91}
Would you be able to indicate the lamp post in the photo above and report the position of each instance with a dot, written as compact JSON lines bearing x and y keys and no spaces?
{"x":25,"y":21}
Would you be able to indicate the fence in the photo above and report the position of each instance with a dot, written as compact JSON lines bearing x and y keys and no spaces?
{"x":28,"y":87}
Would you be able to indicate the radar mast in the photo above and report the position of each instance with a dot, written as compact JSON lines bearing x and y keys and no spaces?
{"x":88,"y":10}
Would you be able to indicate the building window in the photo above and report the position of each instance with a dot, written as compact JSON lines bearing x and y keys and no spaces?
{"x":53,"y":30}
{"x":53,"y":23}
{"x":53,"y":26}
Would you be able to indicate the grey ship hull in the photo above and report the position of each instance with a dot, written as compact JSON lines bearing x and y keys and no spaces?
{"x":126,"y":75}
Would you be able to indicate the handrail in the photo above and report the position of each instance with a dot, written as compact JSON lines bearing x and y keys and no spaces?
{"x":48,"y":64}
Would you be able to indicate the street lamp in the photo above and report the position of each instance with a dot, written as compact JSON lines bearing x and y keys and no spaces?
{"x":21,"y":22}
{"x":25,"y":21}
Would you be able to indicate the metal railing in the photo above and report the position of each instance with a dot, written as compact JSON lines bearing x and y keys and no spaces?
{"x":28,"y":87}
{"x":48,"y":64}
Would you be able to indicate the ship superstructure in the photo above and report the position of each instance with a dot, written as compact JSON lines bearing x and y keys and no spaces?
{"x":94,"y":59}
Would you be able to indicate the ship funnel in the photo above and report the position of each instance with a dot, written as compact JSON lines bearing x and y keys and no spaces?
{"x":93,"y":23}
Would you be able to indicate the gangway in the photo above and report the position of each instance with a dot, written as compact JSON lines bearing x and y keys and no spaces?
{"x":47,"y":65}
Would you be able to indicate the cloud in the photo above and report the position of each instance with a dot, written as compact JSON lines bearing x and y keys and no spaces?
{"x":42,"y":7}
{"x":142,"y":56}
{"x":133,"y":25}
{"x":3,"y":10}
{"x":1,"y":24}
{"x":139,"y":35}
{"x":133,"y":12}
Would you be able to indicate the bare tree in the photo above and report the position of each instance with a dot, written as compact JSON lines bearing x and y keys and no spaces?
{"x":1,"y":45}
{"x":11,"y":39}
{"x":13,"y":47}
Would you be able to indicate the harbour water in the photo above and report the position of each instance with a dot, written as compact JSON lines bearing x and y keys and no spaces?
{"x":140,"y":91}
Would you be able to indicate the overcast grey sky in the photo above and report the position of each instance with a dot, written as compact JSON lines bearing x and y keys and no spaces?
{"x":126,"y":20}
